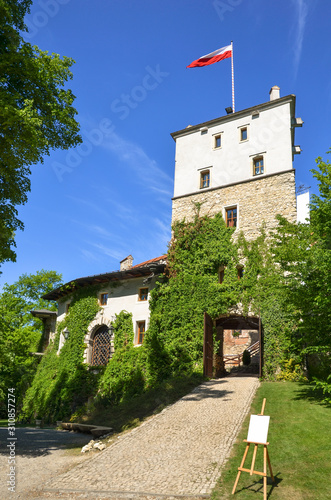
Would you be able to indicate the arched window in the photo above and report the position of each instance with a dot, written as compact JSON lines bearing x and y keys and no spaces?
{"x":101,"y":347}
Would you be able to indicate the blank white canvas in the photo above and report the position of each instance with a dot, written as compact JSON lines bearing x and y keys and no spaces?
{"x":258,"y":429}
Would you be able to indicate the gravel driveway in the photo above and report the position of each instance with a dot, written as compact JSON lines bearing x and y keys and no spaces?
{"x":39,"y":455}
{"x":178,"y":453}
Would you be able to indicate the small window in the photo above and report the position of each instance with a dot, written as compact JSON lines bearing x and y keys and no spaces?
{"x":103,"y":299}
{"x":204,"y":179}
{"x":221,"y":275}
{"x":258,"y":165}
{"x":143,"y":294}
{"x":231,"y":217}
{"x":141,"y":331}
{"x":240,"y":272}
{"x":236,"y":333}
{"x":67,"y":308}
{"x":243,"y":134}
{"x":217,"y":141}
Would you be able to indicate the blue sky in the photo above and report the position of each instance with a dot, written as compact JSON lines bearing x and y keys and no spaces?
{"x":92,"y":206}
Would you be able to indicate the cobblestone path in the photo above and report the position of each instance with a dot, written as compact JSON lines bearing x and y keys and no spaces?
{"x":177,"y":454}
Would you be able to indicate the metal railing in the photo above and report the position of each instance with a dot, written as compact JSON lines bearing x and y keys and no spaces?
{"x":236,"y":359}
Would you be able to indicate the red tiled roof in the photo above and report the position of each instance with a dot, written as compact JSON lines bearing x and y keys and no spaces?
{"x":163,"y":257}
{"x":137,"y":271}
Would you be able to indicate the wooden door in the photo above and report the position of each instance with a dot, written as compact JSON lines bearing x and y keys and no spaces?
{"x":208,"y":346}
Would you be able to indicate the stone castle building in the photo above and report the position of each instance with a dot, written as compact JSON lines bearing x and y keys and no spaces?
{"x":241,"y":165}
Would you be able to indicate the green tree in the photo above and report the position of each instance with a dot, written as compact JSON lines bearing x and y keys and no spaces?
{"x":20,"y":333}
{"x":36,"y":115}
{"x":304,"y":253}
{"x":264,"y":293}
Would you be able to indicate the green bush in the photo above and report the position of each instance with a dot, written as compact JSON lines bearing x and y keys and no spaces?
{"x":246,"y":357}
{"x":63,"y":382}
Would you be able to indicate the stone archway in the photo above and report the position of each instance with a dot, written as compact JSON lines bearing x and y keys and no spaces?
{"x":232,"y":322}
{"x":89,"y":337}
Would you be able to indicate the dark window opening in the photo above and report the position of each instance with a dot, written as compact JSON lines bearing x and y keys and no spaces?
{"x":103,"y":299}
{"x":101,"y":349}
{"x":231,"y":217}
{"x":141,"y":331}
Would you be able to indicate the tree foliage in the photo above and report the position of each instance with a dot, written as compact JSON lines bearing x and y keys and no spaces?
{"x":20,"y":333}
{"x":36,"y":115}
{"x":304,"y":254}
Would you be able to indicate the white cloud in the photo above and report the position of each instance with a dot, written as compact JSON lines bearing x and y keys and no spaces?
{"x":300,"y":25}
{"x":94,"y":206}
{"x":146,"y":169}
{"x":106,"y":250}
{"x":91,"y":256}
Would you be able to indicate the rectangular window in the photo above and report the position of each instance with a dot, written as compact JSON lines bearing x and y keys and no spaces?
{"x":67,"y":308}
{"x":141,"y":331}
{"x":103,"y":299}
{"x":231,"y":217}
{"x":243,"y":134}
{"x":221,"y":275}
{"x":240,"y":272}
{"x":217,"y":141}
{"x":204,"y":179}
{"x":143,"y":294}
{"x":236,"y":333}
{"x":258,"y":166}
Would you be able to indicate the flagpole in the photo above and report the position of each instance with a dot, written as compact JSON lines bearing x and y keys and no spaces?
{"x":232,"y":77}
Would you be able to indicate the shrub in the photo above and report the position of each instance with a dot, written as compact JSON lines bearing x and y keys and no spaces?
{"x":246,"y":357}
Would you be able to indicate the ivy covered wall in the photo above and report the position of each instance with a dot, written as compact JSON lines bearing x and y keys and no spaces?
{"x":63,"y":382}
{"x":173,"y":343}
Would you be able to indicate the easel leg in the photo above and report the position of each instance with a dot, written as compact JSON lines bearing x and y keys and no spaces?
{"x":265,"y":454}
{"x":241,"y":465}
{"x":253,"y":460}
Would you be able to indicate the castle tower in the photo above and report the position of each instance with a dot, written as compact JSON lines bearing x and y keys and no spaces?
{"x":241,"y":165}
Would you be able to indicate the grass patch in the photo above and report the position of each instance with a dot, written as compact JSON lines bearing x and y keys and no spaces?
{"x":4,"y":423}
{"x":300,"y":447}
{"x":132,"y":412}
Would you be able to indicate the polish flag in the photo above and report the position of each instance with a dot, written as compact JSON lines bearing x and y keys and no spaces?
{"x":213,"y":57}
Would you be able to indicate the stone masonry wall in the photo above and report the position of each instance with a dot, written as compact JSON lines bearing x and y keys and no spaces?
{"x":258,"y":200}
{"x":237,"y":344}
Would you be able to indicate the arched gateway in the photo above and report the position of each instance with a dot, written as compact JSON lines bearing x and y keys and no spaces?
{"x":214,"y":365}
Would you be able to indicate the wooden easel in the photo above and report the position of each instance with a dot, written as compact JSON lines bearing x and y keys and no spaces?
{"x":266,"y":460}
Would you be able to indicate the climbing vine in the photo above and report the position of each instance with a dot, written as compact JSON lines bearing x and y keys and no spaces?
{"x":124,"y":375}
{"x":63,"y":382}
{"x":123,"y":330}
{"x":174,"y":341}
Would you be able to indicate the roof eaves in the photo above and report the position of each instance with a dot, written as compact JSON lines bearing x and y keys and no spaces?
{"x":233,"y":116}
{"x":134,"y":272}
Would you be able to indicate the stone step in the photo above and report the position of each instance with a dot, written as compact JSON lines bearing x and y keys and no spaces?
{"x":95,"y":430}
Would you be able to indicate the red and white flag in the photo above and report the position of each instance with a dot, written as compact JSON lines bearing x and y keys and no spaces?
{"x":213,"y":57}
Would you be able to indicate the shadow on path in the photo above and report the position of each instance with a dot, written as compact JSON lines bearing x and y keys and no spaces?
{"x":32,"y":442}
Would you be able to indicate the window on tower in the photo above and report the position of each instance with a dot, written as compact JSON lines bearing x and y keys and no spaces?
{"x":258,"y":165}
{"x":231,"y":217}
{"x":204,"y":179}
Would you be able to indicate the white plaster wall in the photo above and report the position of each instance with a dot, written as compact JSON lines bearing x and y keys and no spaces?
{"x":303,"y":207}
{"x":125,"y":297}
{"x":61,"y":309}
{"x":268,"y":134}
{"x":122,"y":297}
